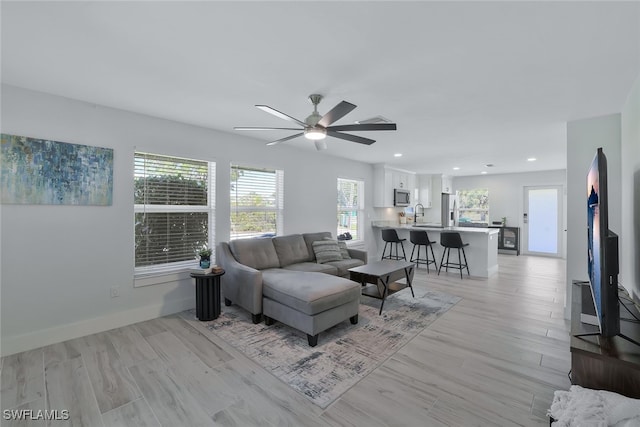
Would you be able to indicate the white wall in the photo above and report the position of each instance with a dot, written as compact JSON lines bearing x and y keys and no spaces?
{"x":630,"y":236}
{"x":583,"y":139}
{"x":59,"y":262}
{"x":506,"y":193}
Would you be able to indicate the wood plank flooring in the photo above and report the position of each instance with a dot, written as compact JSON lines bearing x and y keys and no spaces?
{"x":494,"y":359}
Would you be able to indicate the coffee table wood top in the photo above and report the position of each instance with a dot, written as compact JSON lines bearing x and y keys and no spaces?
{"x":382,"y":268}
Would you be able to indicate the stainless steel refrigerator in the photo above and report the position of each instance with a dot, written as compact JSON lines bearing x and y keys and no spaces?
{"x":449,"y":210}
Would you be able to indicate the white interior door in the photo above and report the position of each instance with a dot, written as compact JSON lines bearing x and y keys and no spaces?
{"x":542,"y":231}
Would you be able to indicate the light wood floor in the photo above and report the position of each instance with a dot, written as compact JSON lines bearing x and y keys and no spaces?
{"x":492,"y":360}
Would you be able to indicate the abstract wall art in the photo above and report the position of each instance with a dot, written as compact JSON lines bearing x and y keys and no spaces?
{"x":39,"y":171}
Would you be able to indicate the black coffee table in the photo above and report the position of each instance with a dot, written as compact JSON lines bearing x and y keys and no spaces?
{"x":378,"y":278}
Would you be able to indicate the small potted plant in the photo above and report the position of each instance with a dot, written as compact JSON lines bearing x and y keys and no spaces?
{"x":205,"y":257}
{"x":504,"y":221}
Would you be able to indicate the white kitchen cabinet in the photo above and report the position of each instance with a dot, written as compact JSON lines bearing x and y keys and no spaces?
{"x":401,"y":179}
{"x":382,"y":186}
{"x":412,"y":182}
{"x":386,"y":179}
{"x":424,"y":190}
{"x":441,"y":184}
{"x":447,"y":184}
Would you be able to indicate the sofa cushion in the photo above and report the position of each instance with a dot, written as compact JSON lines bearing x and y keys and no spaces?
{"x":256,"y":253}
{"x":344,"y":265}
{"x":310,"y":293}
{"x":326,"y":250}
{"x":291,"y":249}
{"x":313,"y":267}
{"x":309,"y":238}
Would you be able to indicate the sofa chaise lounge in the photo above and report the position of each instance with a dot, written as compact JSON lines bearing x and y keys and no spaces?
{"x":281,"y":279}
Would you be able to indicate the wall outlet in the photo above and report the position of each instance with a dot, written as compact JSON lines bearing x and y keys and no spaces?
{"x":115,"y":291}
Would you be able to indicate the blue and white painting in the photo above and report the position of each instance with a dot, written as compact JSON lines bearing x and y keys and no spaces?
{"x":39,"y":171}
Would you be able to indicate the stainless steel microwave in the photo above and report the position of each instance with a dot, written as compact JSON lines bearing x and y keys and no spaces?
{"x":401,"y":197}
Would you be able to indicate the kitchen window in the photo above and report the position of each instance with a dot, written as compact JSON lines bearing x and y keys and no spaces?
{"x":174,"y":212}
{"x":473,"y":206}
{"x":350,"y":207}
{"x":257,"y":202}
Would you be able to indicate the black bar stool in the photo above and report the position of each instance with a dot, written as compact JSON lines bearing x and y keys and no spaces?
{"x":450,"y":239}
{"x":420,"y":238}
{"x":390,"y":236}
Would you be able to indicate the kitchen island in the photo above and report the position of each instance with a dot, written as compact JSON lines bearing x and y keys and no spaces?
{"x":482,"y":252}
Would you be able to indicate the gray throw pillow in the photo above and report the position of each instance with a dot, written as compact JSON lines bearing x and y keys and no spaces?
{"x":343,"y":250}
{"x":326,"y":251}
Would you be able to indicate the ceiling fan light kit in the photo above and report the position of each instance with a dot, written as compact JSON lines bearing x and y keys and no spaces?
{"x":315,"y":134}
{"x":317,"y":127}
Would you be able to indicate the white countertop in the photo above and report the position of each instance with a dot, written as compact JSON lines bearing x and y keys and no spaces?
{"x":396,"y":225}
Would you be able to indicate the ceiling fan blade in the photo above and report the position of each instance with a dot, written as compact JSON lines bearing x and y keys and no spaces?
{"x":259,"y":128}
{"x":278,"y":141}
{"x":282,"y":115}
{"x":365,"y":126}
{"x":352,"y":138}
{"x":336,"y":113}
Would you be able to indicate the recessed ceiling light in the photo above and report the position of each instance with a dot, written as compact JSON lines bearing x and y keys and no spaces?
{"x":456,"y":168}
{"x":531,"y":159}
{"x":397,"y":155}
{"x":483,"y":172}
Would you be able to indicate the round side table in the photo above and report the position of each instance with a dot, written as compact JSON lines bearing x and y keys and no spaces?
{"x":207,"y":295}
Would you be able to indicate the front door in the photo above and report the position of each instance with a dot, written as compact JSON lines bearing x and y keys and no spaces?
{"x":542,"y":221}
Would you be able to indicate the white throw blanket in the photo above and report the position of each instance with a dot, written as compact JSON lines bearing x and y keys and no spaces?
{"x":593,"y":408}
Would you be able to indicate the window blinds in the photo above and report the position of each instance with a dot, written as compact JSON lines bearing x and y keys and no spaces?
{"x":161,"y":180}
{"x":257,"y":201}
{"x":173,"y":204}
{"x":348,"y":194}
{"x":350,"y":206}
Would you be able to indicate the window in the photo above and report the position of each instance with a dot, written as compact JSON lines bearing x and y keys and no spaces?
{"x":174,"y":211}
{"x":473,"y":206}
{"x":350,"y":207}
{"x":257,"y":202}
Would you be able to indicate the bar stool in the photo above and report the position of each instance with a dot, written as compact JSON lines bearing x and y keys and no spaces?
{"x":420,"y":238}
{"x":450,"y":239}
{"x":390,"y":236}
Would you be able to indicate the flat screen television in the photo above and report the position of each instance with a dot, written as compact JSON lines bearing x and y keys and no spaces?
{"x":603,"y":249}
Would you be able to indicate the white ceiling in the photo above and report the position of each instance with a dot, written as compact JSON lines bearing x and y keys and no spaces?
{"x":467,"y":83}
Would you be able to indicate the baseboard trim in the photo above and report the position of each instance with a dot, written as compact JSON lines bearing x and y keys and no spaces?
{"x":32,"y":340}
{"x":492,"y":270}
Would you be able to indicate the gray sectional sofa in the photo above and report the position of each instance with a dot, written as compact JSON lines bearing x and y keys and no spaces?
{"x":281,"y":279}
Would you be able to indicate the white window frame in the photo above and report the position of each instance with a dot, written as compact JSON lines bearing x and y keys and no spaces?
{"x":149,"y":275}
{"x":279,"y":201}
{"x":359,"y":208}
{"x":461,"y":210}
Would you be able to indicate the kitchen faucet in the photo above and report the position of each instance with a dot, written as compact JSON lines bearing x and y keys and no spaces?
{"x":415,"y":212}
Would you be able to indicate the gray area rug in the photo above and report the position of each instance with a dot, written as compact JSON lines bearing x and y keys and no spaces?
{"x":345,"y":353}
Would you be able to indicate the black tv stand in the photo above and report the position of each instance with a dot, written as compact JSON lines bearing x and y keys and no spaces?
{"x":622,"y":305}
{"x":604,"y":363}
{"x":623,"y":336}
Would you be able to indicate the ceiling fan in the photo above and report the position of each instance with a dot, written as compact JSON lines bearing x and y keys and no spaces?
{"x":317,"y":127}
